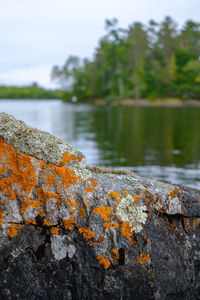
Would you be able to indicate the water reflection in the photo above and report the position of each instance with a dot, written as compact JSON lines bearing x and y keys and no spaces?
{"x":154,"y":141}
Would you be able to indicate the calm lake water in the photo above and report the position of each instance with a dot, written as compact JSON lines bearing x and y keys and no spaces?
{"x":157,"y":142}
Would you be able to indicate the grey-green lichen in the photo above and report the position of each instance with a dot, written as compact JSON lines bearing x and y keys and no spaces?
{"x":128,"y":211}
{"x":35,"y":142}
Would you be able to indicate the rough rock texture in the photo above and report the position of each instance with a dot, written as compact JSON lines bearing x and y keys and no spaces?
{"x":74,"y":232}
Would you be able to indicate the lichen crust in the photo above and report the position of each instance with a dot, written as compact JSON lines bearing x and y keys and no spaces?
{"x":128,"y":211}
{"x":36,"y":142}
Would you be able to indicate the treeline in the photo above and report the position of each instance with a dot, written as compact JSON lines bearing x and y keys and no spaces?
{"x":28,"y":92}
{"x":153,"y":61}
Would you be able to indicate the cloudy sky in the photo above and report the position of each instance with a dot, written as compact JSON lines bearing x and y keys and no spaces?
{"x":37,"y":34}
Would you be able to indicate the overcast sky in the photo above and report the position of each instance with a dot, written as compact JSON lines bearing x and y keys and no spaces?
{"x":37,"y":34}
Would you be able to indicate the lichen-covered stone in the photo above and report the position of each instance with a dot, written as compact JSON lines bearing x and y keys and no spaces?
{"x":74,"y":232}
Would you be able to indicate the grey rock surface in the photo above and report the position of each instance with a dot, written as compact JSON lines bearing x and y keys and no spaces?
{"x":74,"y":232}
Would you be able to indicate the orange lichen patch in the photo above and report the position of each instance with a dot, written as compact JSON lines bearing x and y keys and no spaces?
{"x":195,"y":222}
{"x":46,"y":222}
{"x":73,"y":212}
{"x":12,"y":230}
{"x":104,"y":261}
{"x":101,"y":239}
{"x":104,"y":211}
{"x":4,"y":202}
{"x":72,"y":203}
{"x":79,"y":157}
{"x":174,"y":193}
{"x":132,"y":240}
{"x":3,"y":169}
{"x":30,"y":221}
{"x":54,"y":230}
{"x":126,"y":192}
{"x":1,"y":217}
{"x":116,"y":225}
{"x":89,"y":189}
{"x":82,"y":212}
{"x":136,"y":197}
{"x":114,"y":195}
{"x":67,"y":158}
{"x":199,"y":200}
{"x":27,"y":203}
{"x":87,"y":233}
{"x":186,"y":223}
{"x":90,"y":243}
{"x":143,"y":258}
{"x":19,"y":226}
{"x":116,"y":253}
{"x":107,"y":224}
{"x":69,"y":224}
{"x":85,"y":203}
{"x":126,"y":230}
{"x":91,"y":181}
{"x":68,"y":176}
{"x":43,"y":196}
{"x":50,"y":179}
{"x":23,"y":172}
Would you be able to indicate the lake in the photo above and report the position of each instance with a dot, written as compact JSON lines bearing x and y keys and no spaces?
{"x":156,"y":142}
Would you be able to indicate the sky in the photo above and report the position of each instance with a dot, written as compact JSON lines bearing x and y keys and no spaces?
{"x":35,"y":35}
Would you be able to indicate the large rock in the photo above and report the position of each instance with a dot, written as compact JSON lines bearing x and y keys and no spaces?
{"x":74,"y":232}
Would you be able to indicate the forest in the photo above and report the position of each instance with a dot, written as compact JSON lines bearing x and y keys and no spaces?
{"x":154,"y":61}
{"x":28,"y":92}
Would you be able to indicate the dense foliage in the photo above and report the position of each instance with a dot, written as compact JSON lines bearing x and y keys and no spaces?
{"x":28,"y":92}
{"x":154,"y":61}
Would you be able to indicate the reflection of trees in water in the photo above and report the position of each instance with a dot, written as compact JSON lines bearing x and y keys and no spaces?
{"x":131,"y":136}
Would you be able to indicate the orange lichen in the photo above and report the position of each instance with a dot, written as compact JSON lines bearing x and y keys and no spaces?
{"x":27,"y":203}
{"x":116,"y":253}
{"x":107,"y":224}
{"x":101,"y":239}
{"x":85,"y":203}
{"x":89,"y":189}
{"x":68,"y":176}
{"x":1,"y":217}
{"x":195,"y":222}
{"x":73,"y":211}
{"x":104,"y":211}
{"x":132,"y":240}
{"x":22,"y":170}
{"x":69,"y":223}
{"x":46,"y":222}
{"x":19,"y":226}
{"x":12,"y":230}
{"x":126,"y":230}
{"x":72,"y":203}
{"x":82,"y":212}
{"x":186,"y":223}
{"x":30,"y":221}
{"x":136,"y":198}
{"x":126,"y":192}
{"x":67,"y":158}
{"x":43,"y":196}
{"x":90,"y":243}
{"x":116,"y":225}
{"x":104,"y":261}
{"x":174,"y":193}
{"x":143,"y":258}
{"x":87,"y":233}
{"x":54,"y":230}
{"x":114,"y":195}
{"x":50,"y":179}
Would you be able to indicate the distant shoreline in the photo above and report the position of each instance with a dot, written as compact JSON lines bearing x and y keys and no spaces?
{"x":126,"y":102}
